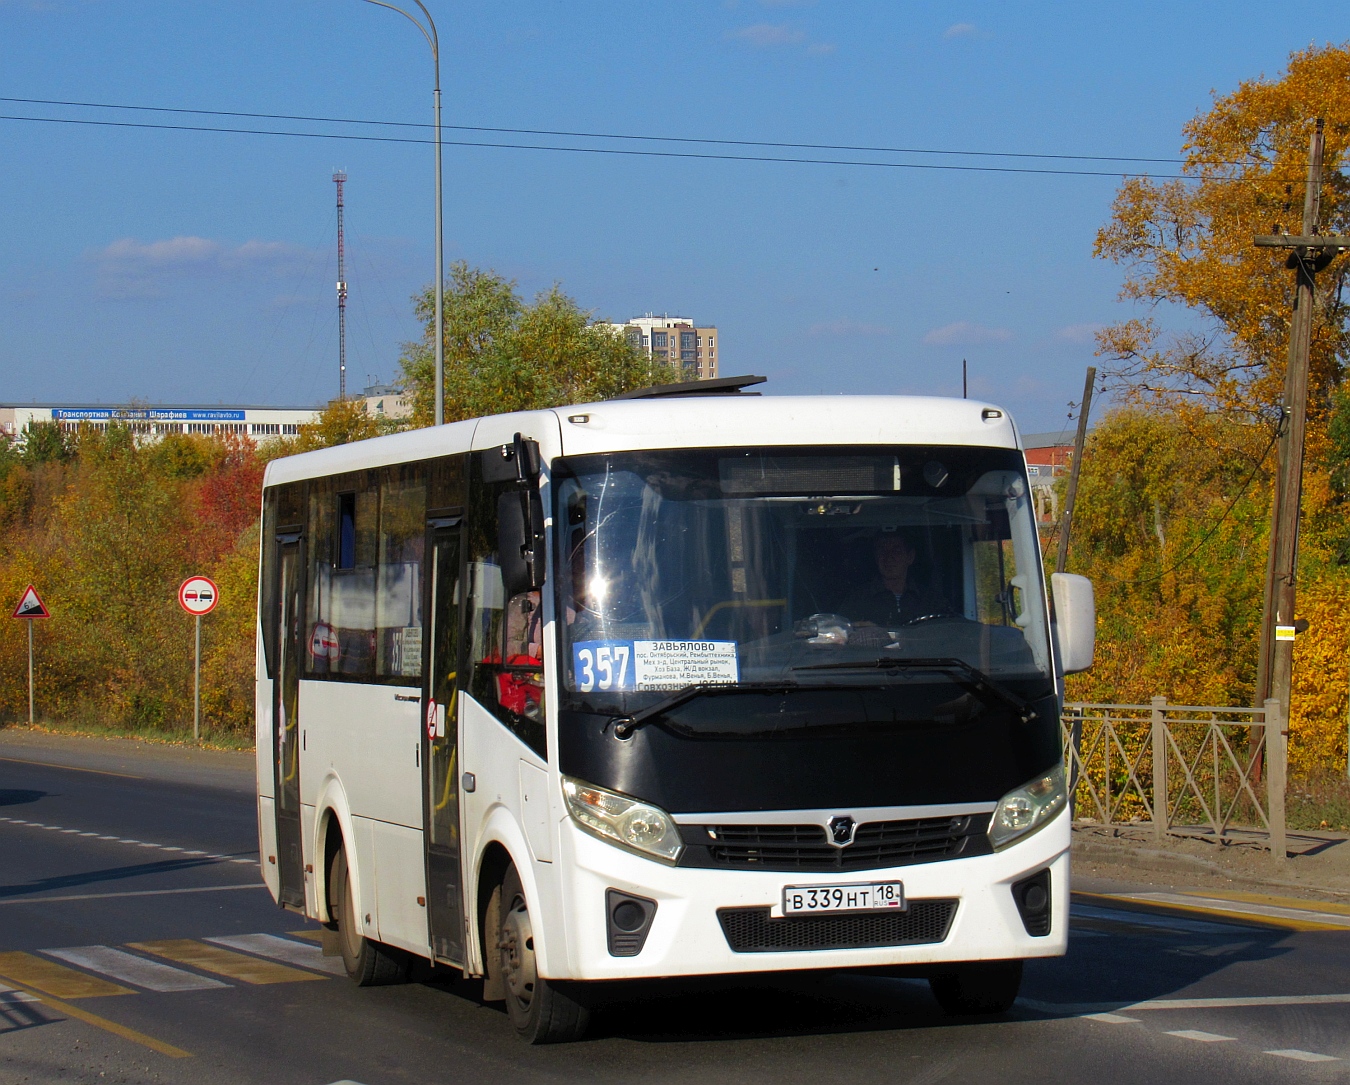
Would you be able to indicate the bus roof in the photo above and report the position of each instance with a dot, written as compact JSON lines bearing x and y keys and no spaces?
{"x":692,"y":422}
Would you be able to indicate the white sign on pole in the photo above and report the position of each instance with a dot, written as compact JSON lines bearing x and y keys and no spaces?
{"x":198,"y":595}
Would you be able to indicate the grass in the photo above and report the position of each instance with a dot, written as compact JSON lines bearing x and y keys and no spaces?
{"x":211,"y":739}
{"x":1319,"y":802}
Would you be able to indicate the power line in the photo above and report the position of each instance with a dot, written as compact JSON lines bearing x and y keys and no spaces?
{"x":1217,"y":523}
{"x":707,"y":156}
{"x":598,"y":135}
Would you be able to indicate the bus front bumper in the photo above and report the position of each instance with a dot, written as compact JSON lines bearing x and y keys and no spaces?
{"x":688,"y":938}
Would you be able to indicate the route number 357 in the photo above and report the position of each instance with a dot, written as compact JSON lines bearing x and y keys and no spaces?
{"x":604,"y":668}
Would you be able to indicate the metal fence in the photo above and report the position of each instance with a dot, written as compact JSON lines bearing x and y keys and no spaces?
{"x":1188,"y":770}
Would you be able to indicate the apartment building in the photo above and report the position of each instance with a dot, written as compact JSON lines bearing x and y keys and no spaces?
{"x":676,"y":339}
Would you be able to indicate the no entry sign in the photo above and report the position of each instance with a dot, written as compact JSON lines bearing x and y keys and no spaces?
{"x":198,"y":595}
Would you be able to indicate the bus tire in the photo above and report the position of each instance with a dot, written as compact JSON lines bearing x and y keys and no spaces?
{"x":542,"y":1011}
{"x":981,"y":987}
{"x":368,"y":963}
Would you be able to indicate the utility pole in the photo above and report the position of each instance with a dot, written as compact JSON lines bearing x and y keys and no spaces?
{"x":1310,"y":252}
{"x":339,"y":178}
{"x":1071,"y":493}
{"x":964,"y":388}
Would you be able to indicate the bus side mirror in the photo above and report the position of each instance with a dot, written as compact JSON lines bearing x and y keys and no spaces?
{"x":520,"y":540}
{"x":1075,"y":627}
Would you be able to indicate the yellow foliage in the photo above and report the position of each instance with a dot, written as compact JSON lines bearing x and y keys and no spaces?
{"x":1189,"y":243}
{"x":1318,"y":717}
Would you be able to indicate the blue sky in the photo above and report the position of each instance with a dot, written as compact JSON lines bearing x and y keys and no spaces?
{"x":194,"y":267}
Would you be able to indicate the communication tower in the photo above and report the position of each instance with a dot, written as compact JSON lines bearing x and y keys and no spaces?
{"x":339,"y":178}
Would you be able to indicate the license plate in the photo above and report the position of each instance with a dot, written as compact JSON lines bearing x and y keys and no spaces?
{"x":857,"y":897}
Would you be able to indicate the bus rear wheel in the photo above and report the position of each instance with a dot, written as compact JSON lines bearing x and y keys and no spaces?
{"x":543,"y":1012}
{"x":981,"y":987}
{"x":368,"y":963}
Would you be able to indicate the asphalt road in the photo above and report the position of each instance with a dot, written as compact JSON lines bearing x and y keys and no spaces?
{"x":96,"y":860}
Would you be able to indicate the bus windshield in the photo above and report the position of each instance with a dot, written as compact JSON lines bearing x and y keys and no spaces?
{"x":795,"y":566}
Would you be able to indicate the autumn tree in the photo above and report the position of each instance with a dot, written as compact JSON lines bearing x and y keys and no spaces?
{"x":1187,"y":241}
{"x":502,"y":354}
{"x":1173,"y":513}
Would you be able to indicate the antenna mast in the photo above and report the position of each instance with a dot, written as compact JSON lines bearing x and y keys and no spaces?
{"x":338,"y":179}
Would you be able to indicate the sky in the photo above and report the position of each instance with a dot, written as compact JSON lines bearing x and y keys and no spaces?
{"x":199,"y":267}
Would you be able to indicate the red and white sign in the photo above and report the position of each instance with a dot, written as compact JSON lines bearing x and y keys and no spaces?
{"x":30,"y":606}
{"x":198,"y":595}
{"x":323,"y":642}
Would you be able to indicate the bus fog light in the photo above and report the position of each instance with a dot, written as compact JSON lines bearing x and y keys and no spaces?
{"x":621,"y":820}
{"x":1029,"y":807}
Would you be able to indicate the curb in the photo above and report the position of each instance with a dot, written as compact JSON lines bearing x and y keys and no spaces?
{"x":1159,"y":861}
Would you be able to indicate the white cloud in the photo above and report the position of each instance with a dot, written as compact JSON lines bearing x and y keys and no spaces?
{"x":847,"y":327}
{"x":965,"y":334}
{"x":1082,"y":334}
{"x":767,"y":35}
{"x":961,"y":30}
{"x":822,"y":48}
{"x":130,"y":268}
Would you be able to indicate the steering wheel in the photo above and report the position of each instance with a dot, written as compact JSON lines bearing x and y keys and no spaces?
{"x":935,"y":616}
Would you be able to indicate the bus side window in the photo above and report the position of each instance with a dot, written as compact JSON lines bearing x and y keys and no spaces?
{"x":505,"y":636}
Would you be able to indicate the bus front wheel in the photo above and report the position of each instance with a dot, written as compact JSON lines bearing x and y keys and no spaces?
{"x":368,"y":963}
{"x":981,"y":987}
{"x":543,"y":1012}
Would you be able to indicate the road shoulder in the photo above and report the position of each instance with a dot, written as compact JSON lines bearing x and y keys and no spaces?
{"x":225,"y":770}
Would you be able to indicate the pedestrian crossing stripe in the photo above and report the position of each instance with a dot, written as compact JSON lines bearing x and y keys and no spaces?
{"x":223,"y":962}
{"x":282,"y":949}
{"x":266,"y":958}
{"x":55,"y":979}
{"x":120,"y":965}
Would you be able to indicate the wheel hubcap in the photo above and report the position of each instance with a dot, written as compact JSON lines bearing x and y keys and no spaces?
{"x":517,"y":947}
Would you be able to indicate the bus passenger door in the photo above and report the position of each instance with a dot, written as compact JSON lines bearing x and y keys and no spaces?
{"x":440,"y":741}
{"x":285,"y":711}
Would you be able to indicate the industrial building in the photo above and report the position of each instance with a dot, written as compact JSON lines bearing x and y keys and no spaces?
{"x":155,"y":420}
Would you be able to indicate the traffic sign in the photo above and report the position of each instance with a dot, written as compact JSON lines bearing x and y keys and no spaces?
{"x":198,"y":595}
{"x":30,"y":606}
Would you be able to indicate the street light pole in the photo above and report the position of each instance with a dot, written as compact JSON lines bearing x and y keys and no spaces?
{"x":429,"y":32}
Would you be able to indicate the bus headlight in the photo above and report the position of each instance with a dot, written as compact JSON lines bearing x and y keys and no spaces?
{"x":622,"y":820}
{"x":1021,"y":812}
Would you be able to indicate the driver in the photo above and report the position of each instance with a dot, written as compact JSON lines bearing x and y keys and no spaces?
{"x":893,"y":598}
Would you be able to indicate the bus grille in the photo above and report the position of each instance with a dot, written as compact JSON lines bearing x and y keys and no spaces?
{"x":751,"y":930}
{"x":807,"y":848}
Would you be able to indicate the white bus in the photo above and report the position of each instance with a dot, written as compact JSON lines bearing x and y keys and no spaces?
{"x":674,"y":685}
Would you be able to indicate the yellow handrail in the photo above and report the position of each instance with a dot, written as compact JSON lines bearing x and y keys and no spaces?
{"x":735,"y":604}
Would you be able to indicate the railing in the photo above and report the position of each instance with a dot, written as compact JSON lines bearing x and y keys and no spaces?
{"x":1188,"y":770}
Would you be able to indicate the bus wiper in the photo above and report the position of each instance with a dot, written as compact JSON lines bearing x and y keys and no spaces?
{"x":980,"y":681}
{"x":624,"y":726}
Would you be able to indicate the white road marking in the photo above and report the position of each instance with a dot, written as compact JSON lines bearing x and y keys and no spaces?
{"x":306,"y":955}
{"x":1081,"y":1008}
{"x":1147,"y":919}
{"x":1112,"y":1018}
{"x":1245,"y":908}
{"x":132,"y":893}
{"x":1302,"y":1056}
{"x":137,"y":971}
{"x":9,"y":996}
{"x":1202,"y":1037}
{"x":124,"y":840}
